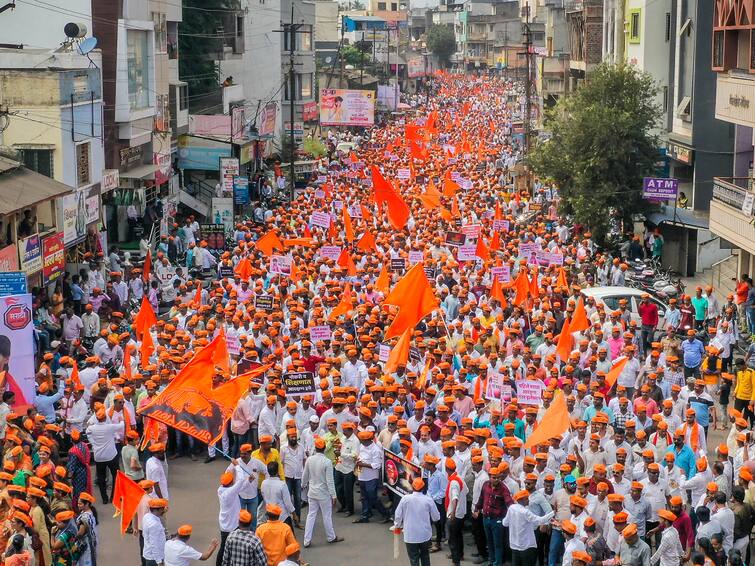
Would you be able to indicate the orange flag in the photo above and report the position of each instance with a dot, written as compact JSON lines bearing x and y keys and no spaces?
{"x":147,"y":268}
{"x":482,"y":250}
{"x":522,"y":286}
{"x":554,"y":423}
{"x":197,"y":302}
{"x":332,"y":233}
{"x":428,"y":202}
{"x":414,"y":297}
{"x":347,"y":226}
{"x":145,"y":318}
{"x":344,"y":260}
{"x":432,"y":192}
{"x":534,"y":287}
{"x":244,"y":268}
{"x":450,"y":188}
{"x":564,"y":344}
{"x":126,"y":498}
{"x":75,"y":374}
{"x":455,"y":213}
{"x":127,"y":362}
{"x":445,"y":215}
{"x":400,"y":352}
{"x":495,"y":242}
{"x":398,"y":210}
{"x":383,"y":283}
{"x":615,"y":371}
{"x":579,"y":321}
{"x":307,"y":231}
{"x":367,"y":243}
{"x":303,"y":242}
{"x":561,"y":280}
{"x":269,"y":242}
{"x":147,"y":347}
{"x":344,"y":306}
{"x":496,"y":292}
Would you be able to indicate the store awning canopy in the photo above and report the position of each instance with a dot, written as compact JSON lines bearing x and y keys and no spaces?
{"x":146,"y":171}
{"x":21,"y":188}
{"x":679,"y":217}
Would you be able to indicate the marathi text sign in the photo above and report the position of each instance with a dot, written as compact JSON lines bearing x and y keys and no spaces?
{"x":529,"y":391}
{"x":398,"y":474}
{"x":321,"y":219}
{"x":30,"y":254}
{"x":320,"y":333}
{"x":654,"y":188}
{"x":342,"y":107}
{"x":298,"y":383}
{"x":17,"y":340}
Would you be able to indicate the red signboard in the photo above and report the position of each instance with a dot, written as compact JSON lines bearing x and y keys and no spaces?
{"x":54,"y":259}
{"x":9,"y":258}
{"x":310,"y":112}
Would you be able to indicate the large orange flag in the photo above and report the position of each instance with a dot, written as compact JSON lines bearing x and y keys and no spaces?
{"x":344,"y":305}
{"x":75,"y":374}
{"x":398,"y":211}
{"x":482,"y":250}
{"x":414,"y":297}
{"x":496,"y":292}
{"x":383,"y":283}
{"x":615,"y":371}
{"x":561,"y":280}
{"x":400,"y":352}
{"x":564,"y":344}
{"x":450,"y":188}
{"x":126,"y":498}
{"x":147,"y":348}
{"x":579,"y":320}
{"x":522,"y":286}
{"x":554,"y":423}
{"x":244,"y":268}
{"x":269,"y":242}
{"x":367,"y":243}
{"x":344,"y":260}
{"x":145,"y":318}
{"x":347,"y":226}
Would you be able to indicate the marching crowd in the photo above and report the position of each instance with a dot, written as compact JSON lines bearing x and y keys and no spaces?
{"x":631,"y":478}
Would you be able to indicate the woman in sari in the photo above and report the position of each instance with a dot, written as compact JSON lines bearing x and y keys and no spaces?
{"x":65,"y":545}
{"x":79,"y":458}
{"x":36,"y":498}
{"x":45,"y":462}
{"x":21,"y":525}
{"x":87,"y":522}
{"x":16,"y":555}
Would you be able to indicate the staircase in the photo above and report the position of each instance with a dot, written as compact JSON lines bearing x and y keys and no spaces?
{"x":719,"y":276}
{"x":193,"y":203}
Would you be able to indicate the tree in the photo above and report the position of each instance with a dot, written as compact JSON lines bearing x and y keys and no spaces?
{"x":352,"y":55}
{"x":602,"y":145}
{"x":441,"y":40}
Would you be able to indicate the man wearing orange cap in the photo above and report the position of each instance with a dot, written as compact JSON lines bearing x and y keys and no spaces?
{"x":415,"y":514}
{"x":153,"y":531}
{"x":243,"y":548}
{"x":179,"y":553}
{"x":317,"y":480}
{"x":275,"y":535}
{"x":633,"y":551}
{"x":369,"y":464}
{"x":102,"y":436}
{"x":522,"y":523}
{"x":231,"y":484}
{"x":670,"y":551}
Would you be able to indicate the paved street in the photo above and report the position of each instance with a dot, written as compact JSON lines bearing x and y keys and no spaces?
{"x":193,"y":488}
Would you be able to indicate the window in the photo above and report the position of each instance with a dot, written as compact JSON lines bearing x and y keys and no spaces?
{"x":161,"y":32}
{"x":305,"y":38}
{"x":394,"y":6}
{"x":381,"y":6}
{"x":172,"y":40}
{"x":718,"y":49}
{"x":183,"y":97}
{"x":138,"y":69}
{"x":305,"y":90}
{"x":38,"y":160}
{"x":634,"y":26}
{"x":82,"y":164}
{"x":683,"y":109}
{"x":668,"y":26}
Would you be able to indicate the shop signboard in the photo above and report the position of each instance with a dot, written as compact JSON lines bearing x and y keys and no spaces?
{"x":30,"y":254}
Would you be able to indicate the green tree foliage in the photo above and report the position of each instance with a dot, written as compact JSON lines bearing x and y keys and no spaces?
{"x":442,"y":42}
{"x":198,"y":42}
{"x":314,"y":147}
{"x":353,"y":56}
{"x":602,"y":145}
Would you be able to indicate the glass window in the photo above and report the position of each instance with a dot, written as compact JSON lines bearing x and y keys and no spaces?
{"x":39,"y":160}
{"x":138,"y":69}
{"x":82,"y":164}
{"x":306,"y":39}
{"x":381,"y":5}
{"x":306,"y":85}
{"x":161,"y":32}
{"x":634,"y":26}
{"x":172,"y":40}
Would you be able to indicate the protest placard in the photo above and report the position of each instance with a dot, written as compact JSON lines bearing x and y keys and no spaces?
{"x":321,"y":219}
{"x":298,"y":383}
{"x":318,"y":333}
{"x":398,"y":474}
{"x":529,"y":391}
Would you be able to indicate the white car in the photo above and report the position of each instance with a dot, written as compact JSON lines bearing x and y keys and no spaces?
{"x":610,"y":297}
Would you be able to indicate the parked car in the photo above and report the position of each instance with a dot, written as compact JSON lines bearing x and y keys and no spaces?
{"x":610,"y":297}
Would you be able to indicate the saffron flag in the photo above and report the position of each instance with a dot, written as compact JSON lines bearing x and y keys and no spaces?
{"x":344,"y":260}
{"x":564,"y":344}
{"x":400,"y":352}
{"x":496,"y":292}
{"x":554,"y":423}
{"x":615,"y":371}
{"x":414,"y":297}
{"x":75,"y":374}
{"x":344,"y":305}
{"x":347,"y":226}
{"x":383,"y":283}
{"x":450,"y":188}
{"x":398,"y":210}
{"x":126,"y":498}
{"x":145,"y":318}
{"x":367,"y":243}
{"x":269,"y":242}
{"x":147,"y":347}
{"x":579,"y":320}
{"x":244,"y":269}
{"x":522,"y":287}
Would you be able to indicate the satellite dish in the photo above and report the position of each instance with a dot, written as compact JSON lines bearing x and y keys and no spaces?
{"x":87,"y":45}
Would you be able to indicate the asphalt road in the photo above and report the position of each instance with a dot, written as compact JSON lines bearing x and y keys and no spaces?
{"x":193,"y":487}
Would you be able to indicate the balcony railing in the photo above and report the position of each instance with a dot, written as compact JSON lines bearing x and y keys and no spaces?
{"x":732,"y":190}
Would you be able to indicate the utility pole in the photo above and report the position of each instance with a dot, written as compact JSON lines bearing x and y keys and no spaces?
{"x":527,"y":33}
{"x":290,"y":30}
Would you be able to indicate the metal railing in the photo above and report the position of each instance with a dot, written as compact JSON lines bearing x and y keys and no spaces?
{"x":731,"y":190}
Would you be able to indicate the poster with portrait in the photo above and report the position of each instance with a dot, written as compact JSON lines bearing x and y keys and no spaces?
{"x":17,"y":348}
{"x":342,"y":107}
{"x":398,"y":474}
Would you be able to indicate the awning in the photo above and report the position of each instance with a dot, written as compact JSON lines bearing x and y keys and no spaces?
{"x":141,"y":172}
{"x":679,"y":217}
{"x":21,"y":188}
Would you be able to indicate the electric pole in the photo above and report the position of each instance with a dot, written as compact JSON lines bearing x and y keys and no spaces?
{"x":290,"y":30}
{"x":527,"y":33}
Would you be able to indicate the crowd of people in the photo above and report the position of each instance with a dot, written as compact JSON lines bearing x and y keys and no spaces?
{"x":634,"y":478}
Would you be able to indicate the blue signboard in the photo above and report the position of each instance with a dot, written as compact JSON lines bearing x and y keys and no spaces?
{"x":12,"y":283}
{"x":241,"y":190}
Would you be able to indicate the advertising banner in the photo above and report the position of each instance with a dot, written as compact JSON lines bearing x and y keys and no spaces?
{"x":341,"y":107}
{"x":12,"y":283}
{"x":416,"y":67}
{"x":229,"y":170}
{"x":222,"y":212}
{"x":654,"y":188}
{"x":9,"y":258}
{"x":241,"y":190}
{"x":268,"y":117}
{"x":17,"y":348}
{"x":214,"y":235}
{"x":398,"y":474}
{"x":30,"y":254}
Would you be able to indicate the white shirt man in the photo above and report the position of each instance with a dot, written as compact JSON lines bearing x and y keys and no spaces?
{"x":154,"y":470}
{"x":521,"y":523}
{"x":274,"y":491}
{"x":415,"y":514}
{"x":319,"y":483}
{"x":102,"y":436}
{"x":153,"y":532}
{"x":228,"y":496}
{"x":247,"y":466}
